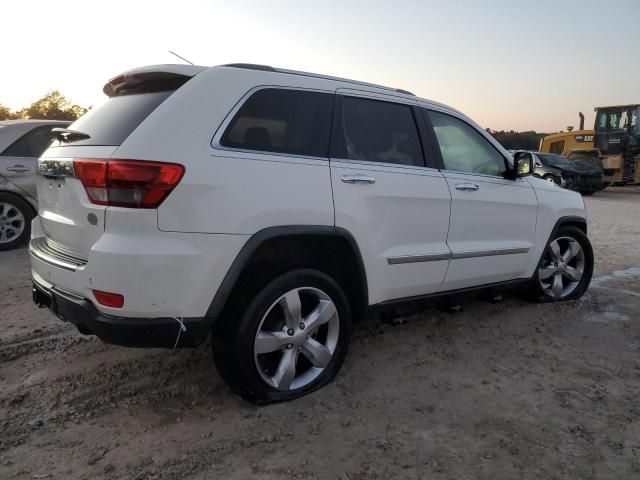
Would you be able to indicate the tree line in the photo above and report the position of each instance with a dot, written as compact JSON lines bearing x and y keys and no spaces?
{"x":511,"y":140}
{"x":53,"y":106}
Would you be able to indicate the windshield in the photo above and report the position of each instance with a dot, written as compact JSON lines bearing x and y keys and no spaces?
{"x":553,"y":160}
{"x":618,"y":120}
{"x":635,"y":121}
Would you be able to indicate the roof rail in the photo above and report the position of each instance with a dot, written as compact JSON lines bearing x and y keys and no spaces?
{"x":267,"y":68}
{"x":251,"y":66}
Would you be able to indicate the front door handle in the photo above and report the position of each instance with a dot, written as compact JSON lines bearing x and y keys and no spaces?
{"x":358,"y":179}
{"x":467,"y":187}
{"x":18,"y":168}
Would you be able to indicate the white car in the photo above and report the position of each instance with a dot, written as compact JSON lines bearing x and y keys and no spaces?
{"x":273,"y":208}
{"x":21,"y":143}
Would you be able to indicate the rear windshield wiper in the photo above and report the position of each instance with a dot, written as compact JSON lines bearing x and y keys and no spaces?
{"x":66,"y":135}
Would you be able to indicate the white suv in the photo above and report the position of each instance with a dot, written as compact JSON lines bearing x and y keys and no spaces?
{"x":273,"y":208}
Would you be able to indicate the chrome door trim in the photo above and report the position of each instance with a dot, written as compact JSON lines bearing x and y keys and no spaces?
{"x":467,"y":187}
{"x":432,"y":257}
{"x":488,"y":253}
{"x":19,"y":168}
{"x":358,"y":178}
{"x":436,"y":257}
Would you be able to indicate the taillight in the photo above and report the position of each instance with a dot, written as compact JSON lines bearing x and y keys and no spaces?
{"x":108,"y":299}
{"x":127,"y":183}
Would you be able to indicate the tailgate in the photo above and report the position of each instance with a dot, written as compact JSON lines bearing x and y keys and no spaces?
{"x":70,"y":223}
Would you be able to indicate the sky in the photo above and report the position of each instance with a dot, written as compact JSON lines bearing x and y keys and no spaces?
{"x":508,"y":64}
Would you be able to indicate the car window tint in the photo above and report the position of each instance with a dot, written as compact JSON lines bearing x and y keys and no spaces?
{"x":378,"y":131}
{"x":112,"y":121}
{"x":31,"y":144}
{"x":282,"y":121}
{"x":464,"y":149}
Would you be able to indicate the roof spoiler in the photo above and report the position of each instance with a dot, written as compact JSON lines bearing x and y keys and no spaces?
{"x":138,"y":76}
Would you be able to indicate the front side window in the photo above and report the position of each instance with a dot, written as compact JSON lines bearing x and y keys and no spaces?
{"x":282,"y":121}
{"x":463,"y":149}
{"x":378,"y":131}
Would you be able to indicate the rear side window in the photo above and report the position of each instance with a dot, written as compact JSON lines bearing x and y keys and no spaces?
{"x":111,"y":122}
{"x":282,"y":121}
{"x":32,"y":143}
{"x":378,"y":131}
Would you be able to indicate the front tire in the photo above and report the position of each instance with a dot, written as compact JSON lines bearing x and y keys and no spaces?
{"x":565,"y":269}
{"x":289,"y":340}
{"x":15,"y":221}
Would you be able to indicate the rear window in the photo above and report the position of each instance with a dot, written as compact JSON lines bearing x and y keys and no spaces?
{"x":111,"y":122}
{"x":283,"y":121}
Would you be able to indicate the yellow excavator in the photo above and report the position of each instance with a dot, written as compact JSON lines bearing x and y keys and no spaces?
{"x":613,"y":144}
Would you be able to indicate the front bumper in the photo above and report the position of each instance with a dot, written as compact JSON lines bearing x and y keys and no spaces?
{"x":583,"y":183}
{"x":129,"y":332}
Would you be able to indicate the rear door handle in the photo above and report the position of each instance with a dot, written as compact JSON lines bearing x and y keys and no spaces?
{"x":358,"y":179}
{"x":18,"y":168}
{"x":467,"y":187}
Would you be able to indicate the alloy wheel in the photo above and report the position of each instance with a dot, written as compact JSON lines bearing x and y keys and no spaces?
{"x":12,"y":222}
{"x":562,"y":267}
{"x":296,"y":338}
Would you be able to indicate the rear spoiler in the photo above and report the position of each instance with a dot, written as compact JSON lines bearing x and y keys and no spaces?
{"x":137,"y":76}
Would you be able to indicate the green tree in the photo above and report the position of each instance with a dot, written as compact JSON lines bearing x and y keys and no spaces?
{"x":7,"y":114}
{"x":53,"y":106}
{"x":511,"y":140}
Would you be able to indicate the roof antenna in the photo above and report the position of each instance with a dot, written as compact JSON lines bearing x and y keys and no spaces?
{"x":181,"y":58}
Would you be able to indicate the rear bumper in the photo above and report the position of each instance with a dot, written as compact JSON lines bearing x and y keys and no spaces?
{"x":128,"y":332}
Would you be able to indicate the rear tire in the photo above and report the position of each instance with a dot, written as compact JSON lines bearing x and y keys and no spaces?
{"x":565,"y":269}
{"x":15,"y":221}
{"x":288,"y":340}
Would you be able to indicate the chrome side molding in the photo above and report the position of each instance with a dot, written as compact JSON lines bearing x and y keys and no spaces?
{"x":488,"y":253}
{"x":436,"y":257}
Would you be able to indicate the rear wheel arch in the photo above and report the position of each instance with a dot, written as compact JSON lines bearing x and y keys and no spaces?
{"x":275,"y":250}
{"x":24,"y":198}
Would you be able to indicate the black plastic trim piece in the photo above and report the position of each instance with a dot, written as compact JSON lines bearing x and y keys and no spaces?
{"x":251,"y":66}
{"x":128,"y":332}
{"x":237,"y":267}
{"x":396,"y":302}
{"x":568,"y":219}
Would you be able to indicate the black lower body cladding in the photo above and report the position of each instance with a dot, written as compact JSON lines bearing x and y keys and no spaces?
{"x":164,"y":332}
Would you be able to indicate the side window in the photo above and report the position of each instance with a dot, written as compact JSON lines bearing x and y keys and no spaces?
{"x":557,"y":147}
{"x":31,"y":144}
{"x":378,"y":131}
{"x":282,"y":121}
{"x":463,"y":149}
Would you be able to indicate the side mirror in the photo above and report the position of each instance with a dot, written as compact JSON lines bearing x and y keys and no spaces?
{"x":522,"y":164}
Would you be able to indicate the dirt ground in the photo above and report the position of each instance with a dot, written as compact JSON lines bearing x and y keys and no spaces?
{"x":509,"y":390}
